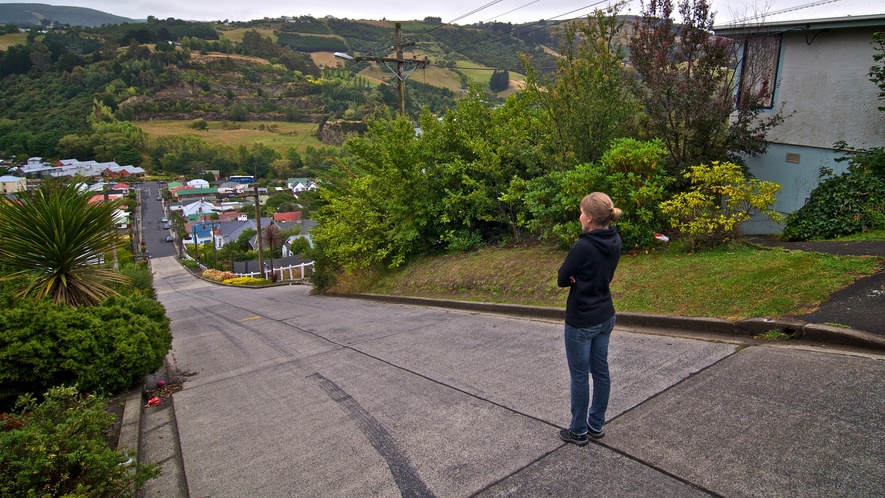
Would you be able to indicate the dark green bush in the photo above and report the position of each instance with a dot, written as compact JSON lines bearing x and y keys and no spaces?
{"x":629,"y":173}
{"x":842,"y":205}
{"x":59,"y":448}
{"x":140,"y":279}
{"x":105,"y":348}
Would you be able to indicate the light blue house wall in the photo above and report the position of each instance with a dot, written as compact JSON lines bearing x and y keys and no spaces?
{"x":822,"y":89}
{"x":797,"y":180}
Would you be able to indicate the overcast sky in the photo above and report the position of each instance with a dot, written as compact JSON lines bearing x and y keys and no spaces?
{"x":451,"y":11}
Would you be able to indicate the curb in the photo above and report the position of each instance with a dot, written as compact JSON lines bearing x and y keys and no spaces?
{"x":130,"y":429}
{"x":131,"y":426}
{"x":740,"y":329}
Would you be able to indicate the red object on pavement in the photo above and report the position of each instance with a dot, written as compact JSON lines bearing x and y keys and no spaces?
{"x":154,"y":401}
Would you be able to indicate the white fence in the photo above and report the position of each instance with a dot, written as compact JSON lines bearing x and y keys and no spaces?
{"x":281,"y":272}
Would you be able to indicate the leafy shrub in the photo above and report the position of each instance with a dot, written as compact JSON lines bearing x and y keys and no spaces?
{"x":628,"y":172}
{"x":218,"y":275}
{"x":246,"y":281}
{"x":105,"y":348}
{"x":141,"y":279}
{"x":720,"y":199}
{"x":189,"y":263}
{"x":848,"y":203}
{"x":58,"y":448}
{"x":124,"y":255}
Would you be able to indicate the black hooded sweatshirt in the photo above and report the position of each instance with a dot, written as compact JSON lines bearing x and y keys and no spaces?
{"x":591,"y":261}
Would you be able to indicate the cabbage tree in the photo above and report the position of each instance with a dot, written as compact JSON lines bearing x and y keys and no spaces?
{"x":56,"y":242}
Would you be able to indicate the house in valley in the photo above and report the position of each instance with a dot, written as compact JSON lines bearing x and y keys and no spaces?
{"x":304,"y":233}
{"x":297,"y":185}
{"x":12,"y":184}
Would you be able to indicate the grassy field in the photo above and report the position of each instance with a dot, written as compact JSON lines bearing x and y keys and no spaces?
{"x":733,"y":282}
{"x":12,"y":39}
{"x":447,"y":78}
{"x":236,"y":34}
{"x":327,"y":59}
{"x":288,"y":135}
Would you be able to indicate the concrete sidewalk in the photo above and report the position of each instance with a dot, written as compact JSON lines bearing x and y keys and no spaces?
{"x":299,"y":395}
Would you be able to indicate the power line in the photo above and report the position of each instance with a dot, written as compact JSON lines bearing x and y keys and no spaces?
{"x":474,"y":11}
{"x":424,"y":63}
{"x":523,"y":30}
{"x":512,"y":10}
{"x":485,"y":68}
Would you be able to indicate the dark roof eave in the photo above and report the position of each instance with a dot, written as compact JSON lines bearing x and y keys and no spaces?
{"x":814,"y":24}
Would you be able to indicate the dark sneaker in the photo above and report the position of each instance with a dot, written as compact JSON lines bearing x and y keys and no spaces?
{"x":595,"y":434}
{"x":570,"y":437}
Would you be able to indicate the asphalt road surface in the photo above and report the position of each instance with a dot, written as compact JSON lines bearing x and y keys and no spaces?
{"x":290,"y":394}
{"x":150,"y":221}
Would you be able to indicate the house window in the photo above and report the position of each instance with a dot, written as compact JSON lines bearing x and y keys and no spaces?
{"x":759,"y":69}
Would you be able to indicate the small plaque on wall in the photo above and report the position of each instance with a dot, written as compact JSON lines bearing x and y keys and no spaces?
{"x":792,"y":158}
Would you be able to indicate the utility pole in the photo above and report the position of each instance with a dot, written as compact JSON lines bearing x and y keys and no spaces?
{"x":104,"y":189}
{"x":258,"y":227}
{"x":399,"y":69}
{"x":400,"y":64}
{"x":196,"y":245}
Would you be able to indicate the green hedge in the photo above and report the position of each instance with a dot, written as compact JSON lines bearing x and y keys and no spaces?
{"x":105,"y":348}
{"x":59,"y":448}
{"x":842,"y":205}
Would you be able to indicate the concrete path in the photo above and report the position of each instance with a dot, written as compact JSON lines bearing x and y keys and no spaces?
{"x":288,"y":394}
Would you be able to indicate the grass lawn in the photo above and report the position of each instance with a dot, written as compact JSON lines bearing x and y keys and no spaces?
{"x":288,"y":135}
{"x":733,"y":282}
{"x":868,"y":235}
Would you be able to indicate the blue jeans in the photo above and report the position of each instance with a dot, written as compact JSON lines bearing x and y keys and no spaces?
{"x":587,"y":353}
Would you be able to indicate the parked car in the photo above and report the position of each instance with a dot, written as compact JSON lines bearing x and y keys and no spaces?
{"x":168,"y":238}
{"x":167,"y":226}
{"x":165,"y":219}
{"x":159,"y":198}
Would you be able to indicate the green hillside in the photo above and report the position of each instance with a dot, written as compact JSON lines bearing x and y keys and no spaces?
{"x":85,"y":92}
{"x":457,"y":55}
{"x":39,"y":14}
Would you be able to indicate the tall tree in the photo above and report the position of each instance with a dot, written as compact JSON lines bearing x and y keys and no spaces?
{"x":56,"y":241}
{"x":587,"y":103}
{"x":687,"y":89}
{"x":499,"y":81}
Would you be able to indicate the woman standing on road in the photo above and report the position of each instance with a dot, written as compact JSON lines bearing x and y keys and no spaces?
{"x":590,"y":315}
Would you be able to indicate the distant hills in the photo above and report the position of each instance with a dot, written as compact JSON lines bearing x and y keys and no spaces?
{"x":40,"y":14}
